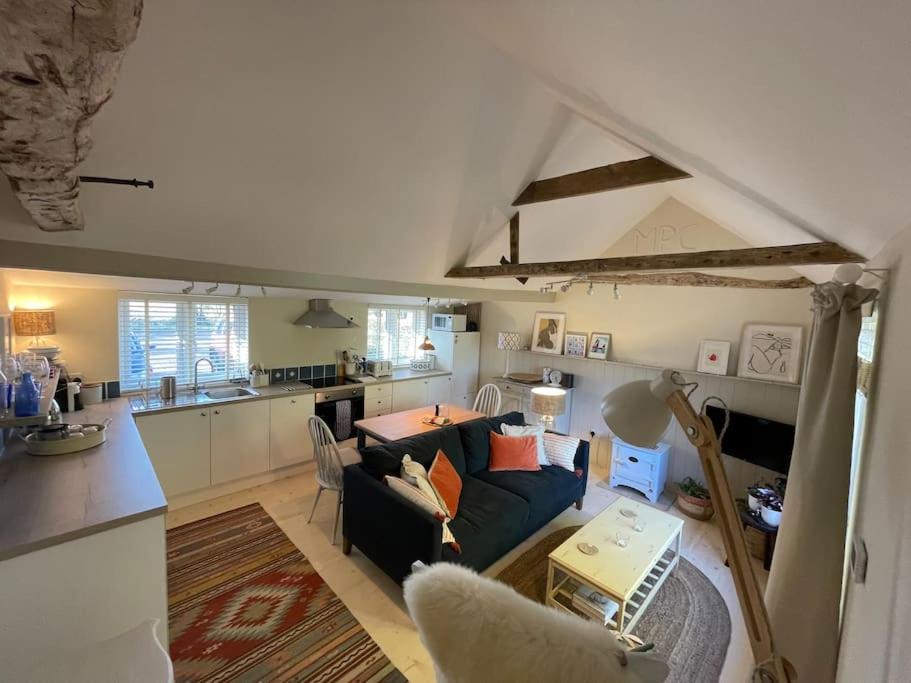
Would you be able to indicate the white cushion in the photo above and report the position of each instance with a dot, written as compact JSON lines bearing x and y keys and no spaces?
{"x":561,"y":450}
{"x":423,"y":501}
{"x":536,"y":431}
{"x":415,"y":473}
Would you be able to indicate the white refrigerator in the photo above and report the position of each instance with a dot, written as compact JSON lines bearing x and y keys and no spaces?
{"x":460,"y":354}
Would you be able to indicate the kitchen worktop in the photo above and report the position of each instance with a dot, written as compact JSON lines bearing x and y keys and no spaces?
{"x":45,"y":501}
{"x":150,"y":403}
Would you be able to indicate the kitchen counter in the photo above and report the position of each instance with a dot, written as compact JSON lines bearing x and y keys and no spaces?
{"x":150,"y":403}
{"x":45,"y":501}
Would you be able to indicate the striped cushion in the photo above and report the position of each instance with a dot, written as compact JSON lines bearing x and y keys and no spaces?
{"x":561,"y":450}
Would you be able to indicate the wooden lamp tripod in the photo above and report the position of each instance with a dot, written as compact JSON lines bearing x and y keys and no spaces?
{"x":639,"y":413}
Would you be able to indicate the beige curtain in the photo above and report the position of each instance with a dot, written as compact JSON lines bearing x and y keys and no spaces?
{"x":804,"y":589}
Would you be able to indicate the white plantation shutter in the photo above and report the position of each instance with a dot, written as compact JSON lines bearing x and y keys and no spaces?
{"x":395,"y":332}
{"x":161,"y":335}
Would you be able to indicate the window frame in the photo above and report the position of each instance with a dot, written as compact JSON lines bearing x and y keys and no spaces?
{"x":418,"y":354}
{"x":185,"y":352}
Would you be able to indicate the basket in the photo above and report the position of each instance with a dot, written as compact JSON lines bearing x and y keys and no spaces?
{"x":697,"y":508}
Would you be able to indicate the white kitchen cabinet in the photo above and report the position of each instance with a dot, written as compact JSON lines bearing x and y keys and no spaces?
{"x":439,"y":389}
{"x":178,"y":446}
{"x":239,"y":440}
{"x":409,"y":394}
{"x":289,"y":436}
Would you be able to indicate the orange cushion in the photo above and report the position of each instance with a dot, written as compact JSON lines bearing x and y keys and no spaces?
{"x":513,"y":453}
{"x":446,"y":483}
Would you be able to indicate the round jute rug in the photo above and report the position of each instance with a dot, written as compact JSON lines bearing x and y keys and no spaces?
{"x":687,"y":620}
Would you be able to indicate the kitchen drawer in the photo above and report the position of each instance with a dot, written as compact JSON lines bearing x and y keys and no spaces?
{"x":381,"y":406}
{"x":377,"y":391}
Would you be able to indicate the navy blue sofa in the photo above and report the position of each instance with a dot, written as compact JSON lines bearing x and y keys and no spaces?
{"x":497,"y":510}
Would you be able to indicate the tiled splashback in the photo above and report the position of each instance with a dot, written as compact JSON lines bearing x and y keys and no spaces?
{"x":301,"y":372}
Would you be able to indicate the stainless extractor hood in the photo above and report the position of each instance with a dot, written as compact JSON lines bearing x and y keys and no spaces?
{"x":322,"y":315}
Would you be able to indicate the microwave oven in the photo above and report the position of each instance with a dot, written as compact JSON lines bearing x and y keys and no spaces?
{"x":449,"y":322}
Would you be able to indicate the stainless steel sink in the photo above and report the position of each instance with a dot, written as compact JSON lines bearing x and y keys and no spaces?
{"x":230,"y":392}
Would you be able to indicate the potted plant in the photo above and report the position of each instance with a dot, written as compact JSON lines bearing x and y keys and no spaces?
{"x":771,"y":510}
{"x":694,"y":500}
{"x":757,"y":493}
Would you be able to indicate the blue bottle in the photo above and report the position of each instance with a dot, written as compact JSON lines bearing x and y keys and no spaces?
{"x":27,"y":396}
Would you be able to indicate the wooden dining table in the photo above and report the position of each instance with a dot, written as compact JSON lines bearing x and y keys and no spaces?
{"x":401,"y":425}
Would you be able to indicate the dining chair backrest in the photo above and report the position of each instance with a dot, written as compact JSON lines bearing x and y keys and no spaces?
{"x":488,"y":400}
{"x":329,"y":466}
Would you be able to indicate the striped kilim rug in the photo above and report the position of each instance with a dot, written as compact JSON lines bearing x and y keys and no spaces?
{"x":245,"y":605}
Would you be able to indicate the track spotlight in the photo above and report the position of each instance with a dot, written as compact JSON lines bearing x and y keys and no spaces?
{"x":262,"y":289}
{"x":237,"y":291}
{"x":591,"y":288}
{"x":616,"y":292}
{"x":189,"y":288}
{"x":211,"y":290}
{"x":565,"y":286}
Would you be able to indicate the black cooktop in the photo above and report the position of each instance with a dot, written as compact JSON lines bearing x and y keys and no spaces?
{"x":324,"y":382}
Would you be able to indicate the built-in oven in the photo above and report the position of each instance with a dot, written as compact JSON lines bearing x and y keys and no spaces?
{"x":340,"y":407}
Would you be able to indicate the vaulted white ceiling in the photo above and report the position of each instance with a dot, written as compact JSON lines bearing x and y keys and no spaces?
{"x":387,"y":140}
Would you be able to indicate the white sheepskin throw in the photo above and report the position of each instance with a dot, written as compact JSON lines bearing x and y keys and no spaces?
{"x":477,"y":629}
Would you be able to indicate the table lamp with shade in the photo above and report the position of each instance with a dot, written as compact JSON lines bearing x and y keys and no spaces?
{"x":508,"y":341}
{"x":34,"y":324}
{"x":548,"y":402}
{"x":639,"y":413}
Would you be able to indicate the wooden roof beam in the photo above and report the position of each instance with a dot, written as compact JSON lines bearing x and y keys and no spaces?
{"x":58,"y":63}
{"x":645,"y":171}
{"x":815,"y":253}
{"x":692,"y":279}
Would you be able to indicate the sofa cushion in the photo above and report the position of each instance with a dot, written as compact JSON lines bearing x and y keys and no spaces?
{"x":475,"y":437}
{"x":513,"y":453}
{"x":386,"y":458}
{"x":490,"y":522}
{"x":548,"y":492}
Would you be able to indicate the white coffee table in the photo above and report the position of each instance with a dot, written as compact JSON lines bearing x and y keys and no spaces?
{"x":630,"y":576}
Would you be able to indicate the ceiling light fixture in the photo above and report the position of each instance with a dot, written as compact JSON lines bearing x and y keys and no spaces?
{"x":237,"y":291}
{"x":262,"y":288}
{"x":565,"y":286}
{"x":427,"y":345}
{"x":616,"y":292}
{"x":591,"y":288}
{"x":189,"y":288}
{"x":211,"y":290}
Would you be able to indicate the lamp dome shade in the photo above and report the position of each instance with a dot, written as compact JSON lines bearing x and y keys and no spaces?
{"x":635,"y":414}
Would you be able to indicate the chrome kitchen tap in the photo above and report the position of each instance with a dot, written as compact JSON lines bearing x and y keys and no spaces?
{"x":196,"y":373}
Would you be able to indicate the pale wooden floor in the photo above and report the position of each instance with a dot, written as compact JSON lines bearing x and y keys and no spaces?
{"x":376,"y":600}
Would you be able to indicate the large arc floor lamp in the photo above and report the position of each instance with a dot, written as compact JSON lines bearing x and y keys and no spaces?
{"x":639,"y":413}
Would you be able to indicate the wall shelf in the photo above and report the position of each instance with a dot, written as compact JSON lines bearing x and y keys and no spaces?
{"x":644,"y":366}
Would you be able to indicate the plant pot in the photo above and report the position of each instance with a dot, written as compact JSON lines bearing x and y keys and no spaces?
{"x":697,"y":508}
{"x":770,"y":516}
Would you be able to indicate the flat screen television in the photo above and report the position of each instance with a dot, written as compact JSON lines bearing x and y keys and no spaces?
{"x":765,"y":443}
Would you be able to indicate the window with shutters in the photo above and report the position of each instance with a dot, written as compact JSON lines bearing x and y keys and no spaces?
{"x":394,"y":333}
{"x":161,"y":335}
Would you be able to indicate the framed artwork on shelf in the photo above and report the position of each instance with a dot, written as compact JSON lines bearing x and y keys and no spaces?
{"x":713,"y":356}
{"x":576,"y":344}
{"x":770,"y":352}
{"x":547,"y":333}
{"x":599,"y":346}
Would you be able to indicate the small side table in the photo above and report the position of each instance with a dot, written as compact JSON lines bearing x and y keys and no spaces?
{"x":748,"y":519}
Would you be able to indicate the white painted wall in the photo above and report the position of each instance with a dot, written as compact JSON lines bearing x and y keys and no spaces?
{"x":878,"y":613}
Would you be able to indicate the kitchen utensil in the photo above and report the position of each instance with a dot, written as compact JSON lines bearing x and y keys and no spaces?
{"x":91,"y":393}
{"x":168,"y":387}
{"x":91,"y":435}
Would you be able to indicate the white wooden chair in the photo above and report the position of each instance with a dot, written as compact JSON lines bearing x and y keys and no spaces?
{"x":330,"y":465}
{"x":488,"y":400}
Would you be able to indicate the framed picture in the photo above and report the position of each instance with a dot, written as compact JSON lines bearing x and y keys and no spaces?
{"x":547,"y":333}
{"x":713,"y":356}
{"x":599,"y":346}
{"x":770,"y":352}
{"x":576,"y":344}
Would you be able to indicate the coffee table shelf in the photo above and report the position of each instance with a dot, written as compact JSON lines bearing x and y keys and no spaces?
{"x":630,"y":576}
